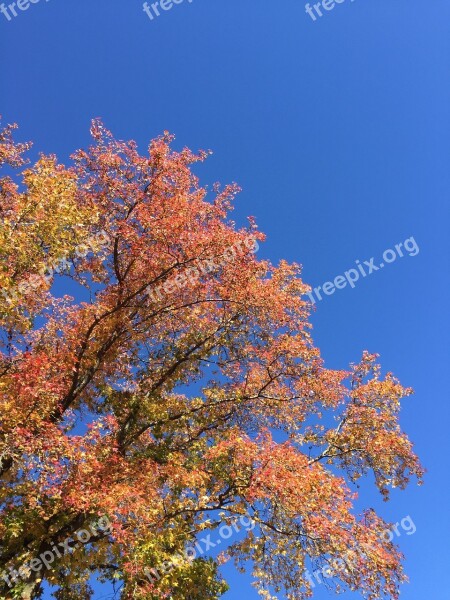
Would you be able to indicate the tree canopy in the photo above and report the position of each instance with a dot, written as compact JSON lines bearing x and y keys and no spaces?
{"x":177,"y":389}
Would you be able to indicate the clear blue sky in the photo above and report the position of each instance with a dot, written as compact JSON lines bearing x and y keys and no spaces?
{"x":338,"y":131}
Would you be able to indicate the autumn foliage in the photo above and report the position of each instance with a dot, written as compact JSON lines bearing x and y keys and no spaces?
{"x":173,"y":412}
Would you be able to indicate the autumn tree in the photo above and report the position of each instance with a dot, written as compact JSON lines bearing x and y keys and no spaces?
{"x":177,"y":389}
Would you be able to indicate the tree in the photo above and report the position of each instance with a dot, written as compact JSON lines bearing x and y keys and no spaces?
{"x":178,"y":391}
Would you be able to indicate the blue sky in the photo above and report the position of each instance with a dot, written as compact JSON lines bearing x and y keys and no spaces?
{"x":337,"y":130}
